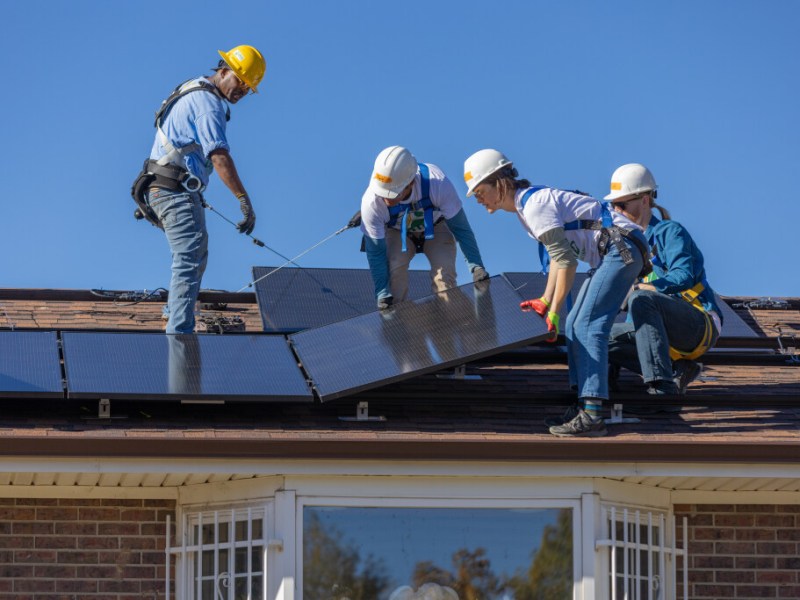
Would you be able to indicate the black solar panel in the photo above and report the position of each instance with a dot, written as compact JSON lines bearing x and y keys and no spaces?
{"x":30,"y":365}
{"x":416,"y":337}
{"x":185,"y":367}
{"x":531,"y":285}
{"x":295,"y":299}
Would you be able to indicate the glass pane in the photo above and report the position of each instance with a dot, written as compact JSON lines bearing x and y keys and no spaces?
{"x":240,"y":560}
{"x":481,"y":554}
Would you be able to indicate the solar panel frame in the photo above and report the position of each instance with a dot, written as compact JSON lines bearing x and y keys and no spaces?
{"x":381,"y":348}
{"x":154,"y":366}
{"x":294,"y":299}
{"x":30,"y":365}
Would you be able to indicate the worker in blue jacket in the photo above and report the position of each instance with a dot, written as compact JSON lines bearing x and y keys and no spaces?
{"x":673,"y":315}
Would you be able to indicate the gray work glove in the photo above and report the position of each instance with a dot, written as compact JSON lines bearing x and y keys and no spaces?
{"x":479,"y":274}
{"x":247,"y":224}
{"x":385,"y":303}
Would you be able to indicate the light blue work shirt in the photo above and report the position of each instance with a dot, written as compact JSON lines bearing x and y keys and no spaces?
{"x":196,"y":118}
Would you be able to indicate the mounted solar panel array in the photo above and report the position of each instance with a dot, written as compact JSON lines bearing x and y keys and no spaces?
{"x":204,"y":367}
{"x":292,"y":299}
{"x":30,"y":366}
{"x":416,"y":337}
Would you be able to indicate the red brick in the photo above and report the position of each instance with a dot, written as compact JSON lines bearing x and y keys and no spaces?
{"x":138,"y":572}
{"x":734,"y":548}
{"x":733,"y":520}
{"x":715,"y":508}
{"x":756,"y":591}
{"x":791,"y":562}
{"x":735,"y":577}
{"x":54,"y":571}
{"x":714,"y":591}
{"x":122,"y":502}
{"x":139,"y":516}
{"x":701,"y":576}
{"x":99,"y":572}
{"x":157,"y":529}
{"x":755,"y":562}
{"x":700,"y":520}
{"x":17,"y":514}
{"x":789,"y":534}
{"x":37,"y":502}
{"x":77,"y":586}
{"x":56,"y":514}
{"x":78,"y":558}
{"x":712,"y":562}
{"x":141,"y":543}
{"x":28,"y":584}
{"x":56,"y":542}
{"x":80,"y":502}
{"x":755,"y":534}
{"x":98,"y":514}
{"x":118,"y":528}
{"x":33,"y":527}
{"x":774,"y":520}
{"x":792,"y":591}
{"x":35,"y":556}
{"x":16,"y":541}
{"x":13,"y":571}
{"x":714,"y":533}
{"x":776,"y":548}
{"x":776,"y":577}
{"x":131,"y":586}
{"x":756,"y":508}
{"x":697,"y":548}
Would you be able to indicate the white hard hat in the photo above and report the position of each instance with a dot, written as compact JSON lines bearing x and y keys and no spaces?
{"x":629,"y":179}
{"x":394,"y":169}
{"x":482,"y":164}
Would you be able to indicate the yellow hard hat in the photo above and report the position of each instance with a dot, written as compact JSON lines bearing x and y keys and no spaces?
{"x":247,"y":63}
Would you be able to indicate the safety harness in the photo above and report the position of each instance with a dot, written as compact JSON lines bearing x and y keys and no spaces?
{"x":404,"y":211}
{"x":169,"y":172}
{"x":609,"y":234}
{"x":692,"y":296}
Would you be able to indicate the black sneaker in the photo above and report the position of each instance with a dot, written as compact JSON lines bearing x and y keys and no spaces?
{"x":663,"y":387}
{"x":686,"y":371}
{"x":581,"y":426}
{"x":568,"y":415}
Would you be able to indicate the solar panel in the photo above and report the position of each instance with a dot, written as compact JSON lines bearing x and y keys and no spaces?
{"x":294,"y":299}
{"x":30,"y":365}
{"x":184,"y":367}
{"x":416,"y":337}
{"x":531,"y":285}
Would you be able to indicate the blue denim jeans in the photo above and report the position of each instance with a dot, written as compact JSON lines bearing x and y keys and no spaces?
{"x":589,"y":322}
{"x":658,"y":321}
{"x":184,"y":221}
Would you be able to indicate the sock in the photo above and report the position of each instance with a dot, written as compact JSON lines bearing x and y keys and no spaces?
{"x":592,"y":407}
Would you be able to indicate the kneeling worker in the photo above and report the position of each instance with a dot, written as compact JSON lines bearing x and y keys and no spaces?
{"x":408,"y":208}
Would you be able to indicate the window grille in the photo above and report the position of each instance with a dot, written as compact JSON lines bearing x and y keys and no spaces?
{"x":642,"y":554}
{"x":220,"y":555}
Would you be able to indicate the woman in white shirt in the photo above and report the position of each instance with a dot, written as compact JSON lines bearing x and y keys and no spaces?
{"x":572,"y":227}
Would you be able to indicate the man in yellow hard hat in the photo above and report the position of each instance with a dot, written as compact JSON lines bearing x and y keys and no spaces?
{"x":190,"y":143}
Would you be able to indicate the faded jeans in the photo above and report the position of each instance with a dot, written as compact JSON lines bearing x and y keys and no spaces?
{"x":589,"y":322}
{"x":658,"y":322}
{"x":184,"y":221}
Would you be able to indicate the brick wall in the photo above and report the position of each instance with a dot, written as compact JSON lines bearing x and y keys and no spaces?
{"x":57,"y":548}
{"x":742,"y":551}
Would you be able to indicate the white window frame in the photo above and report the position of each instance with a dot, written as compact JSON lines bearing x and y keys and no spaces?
{"x":557,"y":503}
{"x":187,"y":553}
{"x":664,"y":552}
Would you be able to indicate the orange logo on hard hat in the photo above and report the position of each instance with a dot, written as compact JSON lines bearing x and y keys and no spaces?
{"x":616,"y":185}
{"x":467,"y":175}
{"x":383,"y":178}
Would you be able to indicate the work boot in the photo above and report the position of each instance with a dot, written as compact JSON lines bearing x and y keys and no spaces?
{"x":686,"y":371}
{"x":663,"y":387}
{"x":569,"y":414}
{"x":582,"y":425}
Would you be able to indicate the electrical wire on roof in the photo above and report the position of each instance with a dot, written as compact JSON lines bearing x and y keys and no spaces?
{"x":355,"y":221}
{"x":130,"y":298}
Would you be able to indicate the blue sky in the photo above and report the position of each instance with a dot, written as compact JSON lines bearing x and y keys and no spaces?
{"x":704,"y":92}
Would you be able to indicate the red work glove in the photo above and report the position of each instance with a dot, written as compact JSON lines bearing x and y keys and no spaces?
{"x":540,"y":305}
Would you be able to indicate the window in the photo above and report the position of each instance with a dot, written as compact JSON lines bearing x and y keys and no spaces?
{"x":641,"y":553}
{"x":222,"y":555}
{"x":375,"y":553}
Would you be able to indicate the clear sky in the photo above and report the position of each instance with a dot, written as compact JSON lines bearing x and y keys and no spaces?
{"x":704,"y":92}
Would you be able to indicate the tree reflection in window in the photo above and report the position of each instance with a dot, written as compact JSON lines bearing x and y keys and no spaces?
{"x":483,"y":554}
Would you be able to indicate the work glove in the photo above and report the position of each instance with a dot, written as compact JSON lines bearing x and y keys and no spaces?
{"x":479,"y":274}
{"x":540,"y":305}
{"x":385,"y":303}
{"x":355,"y":220}
{"x":247,"y":224}
{"x":551,"y":321}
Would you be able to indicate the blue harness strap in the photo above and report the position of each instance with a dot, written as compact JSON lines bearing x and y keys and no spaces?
{"x":424,"y":203}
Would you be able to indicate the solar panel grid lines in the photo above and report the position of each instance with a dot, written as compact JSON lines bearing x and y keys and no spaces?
{"x":154,"y":366}
{"x":415,"y":337}
{"x":294,"y":299}
{"x":30,"y":365}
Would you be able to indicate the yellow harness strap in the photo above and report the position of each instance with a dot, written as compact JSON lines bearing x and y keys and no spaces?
{"x":691,"y":296}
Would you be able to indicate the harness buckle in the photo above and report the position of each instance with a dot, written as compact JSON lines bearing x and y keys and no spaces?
{"x":192,"y":184}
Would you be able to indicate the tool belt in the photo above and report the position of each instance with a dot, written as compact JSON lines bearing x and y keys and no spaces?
{"x":613,"y":235}
{"x":168,"y":177}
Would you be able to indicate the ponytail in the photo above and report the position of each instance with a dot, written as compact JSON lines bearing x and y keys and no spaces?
{"x":664,"y":212}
